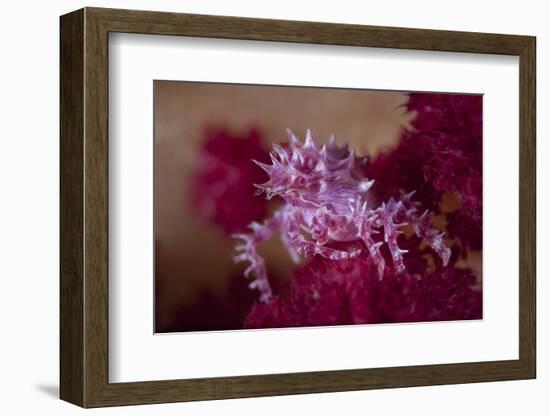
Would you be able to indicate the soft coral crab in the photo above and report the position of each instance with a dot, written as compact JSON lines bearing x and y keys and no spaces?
{"x":327,"y":197}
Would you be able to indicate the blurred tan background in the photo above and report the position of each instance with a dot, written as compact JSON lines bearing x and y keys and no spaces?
{"x":194,"y":269}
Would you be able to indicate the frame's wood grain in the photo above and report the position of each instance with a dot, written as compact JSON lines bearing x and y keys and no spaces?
{"x":84,"y":203}
{"x":527,"y":207}
{"x":71,"y":220}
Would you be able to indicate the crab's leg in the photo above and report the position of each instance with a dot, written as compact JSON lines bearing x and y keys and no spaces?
{"x":247,"y":252}
{"x":374,"y":249}
{"x":364,"y":223}
{"x":423,"y":229}
{"x":392,"y":230}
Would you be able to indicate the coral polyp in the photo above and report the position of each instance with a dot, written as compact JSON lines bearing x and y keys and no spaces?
{"x":328,"y":199}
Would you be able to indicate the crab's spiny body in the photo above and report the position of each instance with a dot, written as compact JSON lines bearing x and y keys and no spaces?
{"x":327,"y":197}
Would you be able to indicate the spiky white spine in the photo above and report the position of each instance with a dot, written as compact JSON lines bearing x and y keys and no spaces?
{"x":308,"y":162}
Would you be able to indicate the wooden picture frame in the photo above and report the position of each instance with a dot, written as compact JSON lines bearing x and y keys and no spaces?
{"x":84,"y":207}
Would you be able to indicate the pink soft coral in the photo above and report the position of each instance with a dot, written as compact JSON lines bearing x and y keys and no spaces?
{"x":222,"y":189}
{"x":327,"y":196}
{"x":443,"y":154}
{"x":326,"y":292}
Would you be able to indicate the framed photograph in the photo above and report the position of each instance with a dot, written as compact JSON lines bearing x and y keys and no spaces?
{"x":255,"y":207}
